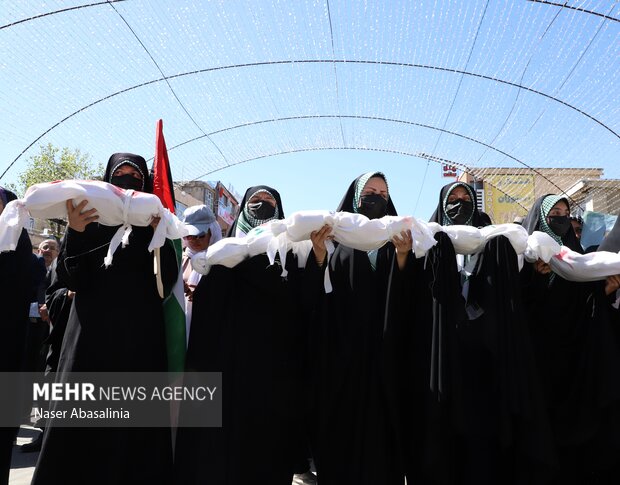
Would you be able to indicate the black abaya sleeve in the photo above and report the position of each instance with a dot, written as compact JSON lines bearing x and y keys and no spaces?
{"x":312,"y":287}
{"x":76,"y":253}
{"x":58,"y":307}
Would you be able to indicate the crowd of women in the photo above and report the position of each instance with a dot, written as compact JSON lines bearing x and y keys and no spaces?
{"x":438,"y":370}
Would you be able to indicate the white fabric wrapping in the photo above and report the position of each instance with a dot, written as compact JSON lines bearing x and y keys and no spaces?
{"x":299,"y":225}
{"x":302,"y":251}
{"x":358,"y":232}
{"x":228,"y":252}
{"x":465,"y":239}
{"x":569,"y":264}
{"x":595,"y":266}
{"x":353,"y":230}
{"x":115,"y":207}
{"x":471,"y":240}
{"x":231,"y":251}
{"x":423,"y":237}
{"x":541,"y":246}
{"x":12,"y":220}
{"x":515,"y":233}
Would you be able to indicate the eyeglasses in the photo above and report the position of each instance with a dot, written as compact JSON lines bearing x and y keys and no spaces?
{"x":191,"y":238}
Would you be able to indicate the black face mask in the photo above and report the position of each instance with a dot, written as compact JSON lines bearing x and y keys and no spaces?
{"x":261,"y":210}
{"x":373,"y":206}
{"x":460,"y":211}
{"x":127,"y":182}
{"x":559,"y":225}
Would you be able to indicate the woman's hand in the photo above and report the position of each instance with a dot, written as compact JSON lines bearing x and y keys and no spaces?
{"x":318,"y":239}
{"x":403,"y":245}
{"x":612,"y":283}
{"x":189,"y":291}
{"x":78,"y":220}
{"x":541,"y":267}
{"x":155,"y":222}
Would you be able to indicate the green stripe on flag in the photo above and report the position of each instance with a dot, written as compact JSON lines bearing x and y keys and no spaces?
{"x":174,"y":316}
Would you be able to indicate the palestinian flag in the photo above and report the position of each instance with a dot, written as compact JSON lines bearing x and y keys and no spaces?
{"x":174,"y":299}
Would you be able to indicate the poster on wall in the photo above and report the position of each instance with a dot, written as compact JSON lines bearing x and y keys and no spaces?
{"x":508,"y":196}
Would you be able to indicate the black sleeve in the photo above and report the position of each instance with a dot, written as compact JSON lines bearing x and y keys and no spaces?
{"x":78,"y":252}
{"x":38,"y":279}
{"x":312,"y":286}
{"x":534,"y":285}
{"x":55,"y":295}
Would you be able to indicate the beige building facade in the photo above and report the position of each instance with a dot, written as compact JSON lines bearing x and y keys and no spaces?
{"x":507,"y":193}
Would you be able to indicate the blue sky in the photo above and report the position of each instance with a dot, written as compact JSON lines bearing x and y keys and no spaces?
{"x":483,"y":83}
{"x":319,"y":180}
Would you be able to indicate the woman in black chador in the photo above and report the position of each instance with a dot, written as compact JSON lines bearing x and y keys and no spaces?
{"x":248,"y":324}
{"x":116,"y":324}
{"x":458,"y":206}
{"x":353,"y":344}
{"x":472,"y":409}
{"x":577,"y":356}
{"x":17,"y":285}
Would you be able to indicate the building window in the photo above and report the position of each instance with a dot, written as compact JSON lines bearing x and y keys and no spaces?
{"x":209,"y":199}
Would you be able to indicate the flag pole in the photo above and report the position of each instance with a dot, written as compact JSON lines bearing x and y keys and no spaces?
{"x":157,"y":271}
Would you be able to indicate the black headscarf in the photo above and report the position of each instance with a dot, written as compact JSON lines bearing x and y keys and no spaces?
{"x":350,"y":199}
{"x":6,"y":196}
{"x":478,"y":219}
{"x":611,"y":242}
{"x":537,"y":221}
{"x":232,"y":230}
{"x":136,"y":161}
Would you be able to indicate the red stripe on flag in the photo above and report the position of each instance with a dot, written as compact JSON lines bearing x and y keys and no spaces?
{"x":162,"y":176}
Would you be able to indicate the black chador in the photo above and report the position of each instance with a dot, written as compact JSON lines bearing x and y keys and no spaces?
{"x":17,"y":283}
{"x":472,"y":409}
{"x":248,"y":324}
{"x":461,"y":210}
{"x":502,"y":415}
{"x":572,"y":330}
{"x":115,"y":324}
{"x":354,"y":438}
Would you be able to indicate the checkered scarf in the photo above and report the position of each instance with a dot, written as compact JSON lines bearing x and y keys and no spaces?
{"x":546,"y":206}
{"x":361,"y":183}
{"x":246,"y":222}
{"x":446,"y":220}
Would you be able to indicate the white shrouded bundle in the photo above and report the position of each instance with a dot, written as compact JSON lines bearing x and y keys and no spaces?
{"x":115,"y":207}
{"x":231,"y":251}
{"x":569,"y":264}
{"x":359,"y":232}
{"x":471,"y":240}
{"x":353,"y":230}
{"x":541,"y":246}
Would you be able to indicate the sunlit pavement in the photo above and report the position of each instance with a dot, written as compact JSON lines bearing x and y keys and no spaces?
{"x":22,"y":464}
